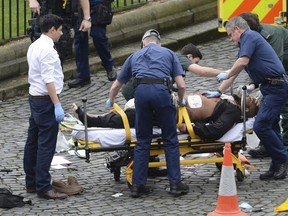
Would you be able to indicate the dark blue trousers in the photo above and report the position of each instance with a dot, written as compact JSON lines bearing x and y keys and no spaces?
{"x":40,"y":145}
{"x":101,"y":43}
{"x":266,"y":124}
{"x":150,"y":99}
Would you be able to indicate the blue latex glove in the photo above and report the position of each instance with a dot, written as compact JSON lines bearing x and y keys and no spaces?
{"x":222,"y":76}
{"x":109,"y":104}
{"x":59,"y":112}
{"x":182,"y":103}
{"x":213,"y":94}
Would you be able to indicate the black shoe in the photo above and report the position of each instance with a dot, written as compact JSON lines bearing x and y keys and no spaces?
{"x":179,"y":189}
{"x":269,"y":175}
{"x":138,"y":190}
{"x":281,"y":172}
{"x":112,"y":75}
{"x":78,"y":82}
{"x":259,"y":152}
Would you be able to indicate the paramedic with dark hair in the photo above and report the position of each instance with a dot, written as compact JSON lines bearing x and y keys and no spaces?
{"x":152,"y":67}
{"x":189,"y":57}
{"x":45,"y":77}
{"x":264,"y":67}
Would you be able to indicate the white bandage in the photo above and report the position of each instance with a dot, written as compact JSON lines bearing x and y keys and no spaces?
{"x":194,"y":101}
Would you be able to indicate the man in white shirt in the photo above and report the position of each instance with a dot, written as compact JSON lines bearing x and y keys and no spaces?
{"x":45,"y":77}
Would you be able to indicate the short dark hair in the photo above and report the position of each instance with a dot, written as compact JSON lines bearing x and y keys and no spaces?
{"x":48,"y":21}
{"x":252,"y":19}
{"x":191,"y":49}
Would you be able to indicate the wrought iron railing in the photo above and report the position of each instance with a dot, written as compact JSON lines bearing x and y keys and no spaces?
{"x":16,"y":13}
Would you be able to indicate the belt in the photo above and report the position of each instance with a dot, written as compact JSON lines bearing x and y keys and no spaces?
{"x":274,"y":81}
{"x":41,"y":96}
{"x":138,"y":81}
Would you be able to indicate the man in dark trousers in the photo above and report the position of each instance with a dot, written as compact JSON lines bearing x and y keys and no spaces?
{"x":100,"y":41}
{"x":45,"y":77}
{"x":152,"y":67}
{"x":264,"y":67}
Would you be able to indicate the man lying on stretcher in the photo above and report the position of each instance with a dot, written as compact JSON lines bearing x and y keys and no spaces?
{"x":211,"y":117}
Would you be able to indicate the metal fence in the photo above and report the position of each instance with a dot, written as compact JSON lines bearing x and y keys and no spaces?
{"x":16,"y":13}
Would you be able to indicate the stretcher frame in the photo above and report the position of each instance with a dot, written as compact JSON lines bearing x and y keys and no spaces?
{"x":122,"y":156}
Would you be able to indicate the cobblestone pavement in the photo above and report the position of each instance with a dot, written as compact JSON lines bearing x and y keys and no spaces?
{"x":99,"y":184}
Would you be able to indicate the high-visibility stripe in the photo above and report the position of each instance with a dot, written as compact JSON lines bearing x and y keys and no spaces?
{"x":246,"y":5}
{"x":274,"y":12}
{"x":268,"y":11}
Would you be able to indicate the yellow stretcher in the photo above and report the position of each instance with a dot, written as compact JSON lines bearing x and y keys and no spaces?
{"x":122,"y":155}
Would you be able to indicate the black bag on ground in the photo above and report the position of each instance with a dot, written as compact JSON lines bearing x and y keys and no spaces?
{"x":9,"y":200}
{"x":102,"y":14}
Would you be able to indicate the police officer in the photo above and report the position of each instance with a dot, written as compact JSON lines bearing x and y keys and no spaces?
{"x":67,"y":10}
{"x":152,"y":67}
{"x":277,"y":37}
{"x":264,"y":67}
{"x":100,"y":41}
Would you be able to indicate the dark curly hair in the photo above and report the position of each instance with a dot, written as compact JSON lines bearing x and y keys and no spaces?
{"x":252,"y":19}
{"x":191,"y":49}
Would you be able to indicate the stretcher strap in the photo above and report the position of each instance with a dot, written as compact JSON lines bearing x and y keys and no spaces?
{"x":125,"y":121}
{"x":183,"y":114}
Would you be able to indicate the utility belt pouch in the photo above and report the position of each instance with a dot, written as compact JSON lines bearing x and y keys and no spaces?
{"x":60,"y":6}
{"x":102,"y":14}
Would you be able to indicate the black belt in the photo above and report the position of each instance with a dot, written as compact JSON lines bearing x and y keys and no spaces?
{"x":41,"y":96}
{"x":274,"y":81}
{"x":138,"y":81}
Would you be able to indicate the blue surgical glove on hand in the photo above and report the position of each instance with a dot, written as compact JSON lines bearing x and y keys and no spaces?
{"x":222,"y":76}
{"x":109,"y":104}
{"x":182,"y":103}
{"x":59,"y":112}
{"x":213,"y":94}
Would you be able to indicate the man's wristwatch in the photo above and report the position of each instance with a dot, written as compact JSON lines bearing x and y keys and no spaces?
{"x":87,"y":19}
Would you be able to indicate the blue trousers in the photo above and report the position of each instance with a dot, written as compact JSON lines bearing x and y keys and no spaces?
{"x":150,"y":99}
{"x":266,"y":124}
{"x":100,"y":41}
{"x":40,"y":144}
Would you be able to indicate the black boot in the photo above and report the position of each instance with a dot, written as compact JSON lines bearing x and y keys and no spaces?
{"x":179,"y":189}
{"x":269,"y":175}
{"x":112,"y":75}
{"x":259,"y":152}
{"x":138,"y":190}
{"x":281,"y":172}
{"x":79,"y":82}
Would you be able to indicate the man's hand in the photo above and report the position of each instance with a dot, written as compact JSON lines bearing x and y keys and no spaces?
{"x":222,"y":76}
{"x":85,"y":25}
{"x":109,"y":104}
{"x":213,"y":94}
{"x":35,"y":6}
{"x":59,"y":112}
{"x":182,"y":103}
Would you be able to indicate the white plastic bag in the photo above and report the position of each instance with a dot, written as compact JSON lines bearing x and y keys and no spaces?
{"x":62,"y":144}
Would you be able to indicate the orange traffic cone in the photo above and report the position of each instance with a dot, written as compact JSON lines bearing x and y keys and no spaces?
{"x":227,"y":195}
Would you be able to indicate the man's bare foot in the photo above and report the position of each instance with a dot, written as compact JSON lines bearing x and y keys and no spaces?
{"x":74,"y":108}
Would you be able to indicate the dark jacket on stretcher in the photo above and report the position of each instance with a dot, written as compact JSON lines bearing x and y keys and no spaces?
{"x":223,"y":118}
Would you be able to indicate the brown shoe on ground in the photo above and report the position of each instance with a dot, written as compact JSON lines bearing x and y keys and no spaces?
{"x":72,"y":181}
{"x":65,"y":188}
{"x":52,"y":194}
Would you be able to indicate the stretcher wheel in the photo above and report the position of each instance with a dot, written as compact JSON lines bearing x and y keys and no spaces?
{"x":239,"y":175}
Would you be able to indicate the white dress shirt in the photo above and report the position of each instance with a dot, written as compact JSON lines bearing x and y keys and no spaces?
{"x":44,"y":67}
